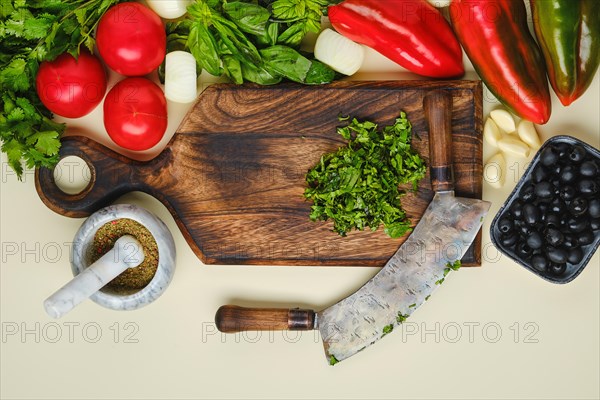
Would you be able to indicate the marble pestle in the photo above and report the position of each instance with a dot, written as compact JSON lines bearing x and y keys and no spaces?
{"x":126,"y":253}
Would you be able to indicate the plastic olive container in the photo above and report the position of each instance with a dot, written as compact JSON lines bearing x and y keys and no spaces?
{"x":550,"y":223}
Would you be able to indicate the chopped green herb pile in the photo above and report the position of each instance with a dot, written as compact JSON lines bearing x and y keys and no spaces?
{"x":357,"y":186}
{"x":32,"y":32}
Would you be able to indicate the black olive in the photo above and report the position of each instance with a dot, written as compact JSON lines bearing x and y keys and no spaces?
{"x":588,"y":169}
{"x":505,"y":225}
{"x":570,"y":241}
{"x":548,"y":157}
{"x":575,"y":256}
{"x":544,"y":190}
{"x":543,"y":207}
{"x":562,"y":149}
{"x":527,"y":192}
{"x":578,"y":206}
{"x":558,"y":206}
{"x":539,"y":174}
{"x":568,"y":174}
{"x":577,"y":225}
{"x":508,"y":240}
{"x":534,"y":240}
{"x":558,"y":268}
{"x":594,"y":208}
{"x":577,"y":153}
{"x":557,"y":184}
{"x":553,"y":219}
{"x":531,"y":214}
{"x":525,"y":230}
{"x":586,"y":237}
{"x":567,"y":193}
{"x":595,"y":224}
{"x":555,"y":169}
{"x":587,"y":186}
{"x":516,"y":209}
{"x":539,"y":262}
{"x":554,"y":237}
{"x":556,"y":255}
{"x":524,"y":250}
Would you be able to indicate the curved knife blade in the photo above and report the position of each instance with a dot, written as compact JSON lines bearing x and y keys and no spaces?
{"x":442,"y":236}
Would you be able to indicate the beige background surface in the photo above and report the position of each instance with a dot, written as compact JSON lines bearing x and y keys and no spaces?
{"x":492,"y":332}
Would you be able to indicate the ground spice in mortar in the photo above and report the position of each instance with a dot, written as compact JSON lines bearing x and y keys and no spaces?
{"x":132,"y":278}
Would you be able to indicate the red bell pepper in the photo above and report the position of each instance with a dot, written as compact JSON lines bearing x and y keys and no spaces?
{"x":496,"y":38}
{"x":412,"y":33}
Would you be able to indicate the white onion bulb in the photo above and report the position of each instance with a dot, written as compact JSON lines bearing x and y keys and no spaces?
{"x":180,"y":77}
{"x":169,"y":9}
{"x":338,"y":52}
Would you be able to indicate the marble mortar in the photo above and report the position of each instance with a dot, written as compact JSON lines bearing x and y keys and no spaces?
{"x":82,"y":252}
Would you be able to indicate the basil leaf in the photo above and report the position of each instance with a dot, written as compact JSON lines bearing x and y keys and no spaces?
{"x":319,"y":73}
{"x":259,"y":74}
{"x":293,"y":35}
{"x":233,"y":69}
{"x":287,"y":62}
{"x":250,"y":18}
{"x":203,"y":47}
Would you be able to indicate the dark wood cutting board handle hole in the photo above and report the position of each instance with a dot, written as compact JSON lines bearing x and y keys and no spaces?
{"x":108,"y":176}
{"x":72,"y":175}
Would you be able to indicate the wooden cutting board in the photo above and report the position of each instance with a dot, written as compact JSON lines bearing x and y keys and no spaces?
{"x":233,"y":174}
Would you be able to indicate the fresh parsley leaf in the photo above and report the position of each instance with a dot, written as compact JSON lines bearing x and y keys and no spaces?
{"x":454,"y":266}
{"x":357,"y":186}
{"x":450,"y":266}
{"x":401,"y":317}
{"x":32,"y":32}
{"x":14,"y":76}
{"x":387,"y":329}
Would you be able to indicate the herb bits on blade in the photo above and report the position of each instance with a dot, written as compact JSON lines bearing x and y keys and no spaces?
{"x":357,"y":185}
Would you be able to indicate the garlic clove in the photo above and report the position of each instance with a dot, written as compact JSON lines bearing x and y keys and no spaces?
{"x":504,"y":120}
{"x":491,"y":132}
{"x":528,"y":134}
{"x":514,"y":146}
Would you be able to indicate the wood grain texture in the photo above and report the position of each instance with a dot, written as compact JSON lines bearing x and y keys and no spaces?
{"x":438,"y":111}
{"x":230,"y":319}
{"x":233,"y":174}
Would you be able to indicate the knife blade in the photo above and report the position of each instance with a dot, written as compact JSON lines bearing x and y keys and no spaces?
{"x":442,"y":236}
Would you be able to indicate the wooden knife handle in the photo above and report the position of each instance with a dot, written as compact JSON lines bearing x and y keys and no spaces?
{"x":230,"y":319}
{"x":438,"y":111}
{"x":110,"y":177}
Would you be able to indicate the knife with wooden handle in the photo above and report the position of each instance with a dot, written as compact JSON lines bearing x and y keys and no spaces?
{"x":441,"y":237}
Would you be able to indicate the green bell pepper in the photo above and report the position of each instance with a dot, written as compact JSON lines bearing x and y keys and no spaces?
{"x":569,"y":35}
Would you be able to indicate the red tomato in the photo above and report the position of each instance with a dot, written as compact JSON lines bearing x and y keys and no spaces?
{"x":71,"y":88}
{"x":131,"y":39}
{"x":135,"y":114}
